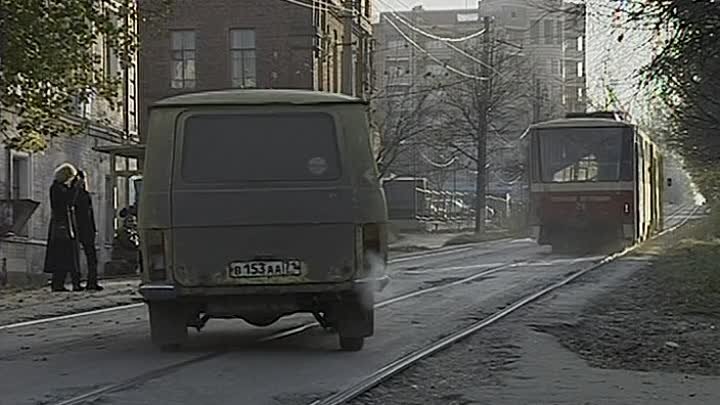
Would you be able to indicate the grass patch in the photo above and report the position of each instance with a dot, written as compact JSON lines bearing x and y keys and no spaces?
{"x":689,"y":276}
{"x":686,"y":270}
{"x":665,"y":317}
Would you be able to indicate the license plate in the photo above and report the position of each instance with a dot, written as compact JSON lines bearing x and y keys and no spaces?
{"x":266,"y":268}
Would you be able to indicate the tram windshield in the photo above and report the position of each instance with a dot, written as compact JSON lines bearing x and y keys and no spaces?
{"x":580,"y":154}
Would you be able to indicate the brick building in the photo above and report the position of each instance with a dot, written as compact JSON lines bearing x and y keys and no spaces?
{"x":217,"y":44}
{"x":26,"y":176}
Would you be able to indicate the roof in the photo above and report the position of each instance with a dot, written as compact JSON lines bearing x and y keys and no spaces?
{"x":581,"y":122}
{"x":257,"y":97}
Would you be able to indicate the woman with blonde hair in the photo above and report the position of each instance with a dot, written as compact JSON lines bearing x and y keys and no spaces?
{"x":61,"y":255}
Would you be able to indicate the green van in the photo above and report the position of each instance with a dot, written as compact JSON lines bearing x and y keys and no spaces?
{"x":257,"y":204}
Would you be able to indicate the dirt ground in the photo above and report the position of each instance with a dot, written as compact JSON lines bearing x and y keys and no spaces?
{"x":663,"y":318}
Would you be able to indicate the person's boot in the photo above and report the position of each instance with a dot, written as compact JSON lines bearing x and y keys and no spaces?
{"x":57,"y":284}
{"x":94,"y":287}
{"x":92,"y":283}
{"x":76,"y":282}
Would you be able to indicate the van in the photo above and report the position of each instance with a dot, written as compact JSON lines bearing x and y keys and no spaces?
{"x":258,"y":204}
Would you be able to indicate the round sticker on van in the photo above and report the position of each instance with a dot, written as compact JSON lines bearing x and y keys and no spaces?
{"x":317,"y":165}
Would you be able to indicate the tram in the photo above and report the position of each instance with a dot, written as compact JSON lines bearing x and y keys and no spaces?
{"x":594,"y":180}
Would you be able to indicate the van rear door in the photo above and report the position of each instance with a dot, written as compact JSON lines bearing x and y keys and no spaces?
{"x":261,"y":197}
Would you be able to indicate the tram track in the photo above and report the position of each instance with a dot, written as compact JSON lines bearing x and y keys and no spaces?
{"x":140,"y":379}
{"x":397,"y":366}
{"x":378,"y":376}
{"x":399,"y":260}
{"x":87,"y":397}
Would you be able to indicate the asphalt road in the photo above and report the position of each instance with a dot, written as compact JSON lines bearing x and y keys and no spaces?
{"x":431,"y":295}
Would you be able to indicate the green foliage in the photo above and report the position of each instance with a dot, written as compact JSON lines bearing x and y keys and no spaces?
{"x":685,"y":75}
{"x":51,"y":58}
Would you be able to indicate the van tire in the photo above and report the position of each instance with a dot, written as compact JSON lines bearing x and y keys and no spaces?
{"x":168,"y":325}
{"x":355,"y":323}
{"x":351,"y":344}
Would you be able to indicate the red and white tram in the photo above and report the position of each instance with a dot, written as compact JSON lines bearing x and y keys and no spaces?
{"x":594,"y":179}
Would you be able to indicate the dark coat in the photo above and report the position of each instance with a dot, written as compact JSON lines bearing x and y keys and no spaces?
{"x":62,"y":245}
{"x":85,"y":217}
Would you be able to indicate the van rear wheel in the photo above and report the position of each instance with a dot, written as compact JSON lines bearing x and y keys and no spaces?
{"x":168,"y":325}
{"x":351,"y":344}
{"x":355,"y":322}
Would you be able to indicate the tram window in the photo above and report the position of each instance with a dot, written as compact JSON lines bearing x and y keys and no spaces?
{"x":580,"y":154}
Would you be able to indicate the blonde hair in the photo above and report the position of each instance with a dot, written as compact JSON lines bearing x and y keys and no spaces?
{"x":65,"y":172}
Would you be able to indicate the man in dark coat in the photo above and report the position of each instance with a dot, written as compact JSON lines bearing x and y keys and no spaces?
{"x":87,"y":230}
{"x":61,"y":255}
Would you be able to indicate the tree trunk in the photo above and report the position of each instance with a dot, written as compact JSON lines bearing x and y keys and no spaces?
{"x":484,"y":94}
{"x":481,"y":176}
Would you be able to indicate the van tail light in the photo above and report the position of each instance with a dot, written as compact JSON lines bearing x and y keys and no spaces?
{"x":626,"y":209}
{"x":155,"y":248}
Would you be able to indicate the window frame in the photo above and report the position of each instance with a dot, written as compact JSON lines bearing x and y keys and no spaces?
{"x":16,"y":192}
{"x":242,"y":51}
{"x":185,"y":82}
{"x":548,"y":32}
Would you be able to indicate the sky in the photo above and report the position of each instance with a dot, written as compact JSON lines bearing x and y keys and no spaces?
{"x":428,"y":4}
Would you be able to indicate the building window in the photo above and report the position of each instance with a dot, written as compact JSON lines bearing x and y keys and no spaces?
{"x":20,"y":181}
{"x":242,"y":52}
{"x":548,"y":31}
{"x":535,"y":32}
{"x":111,"y":62}
{"x":183,"y":59}
{"x":580,"y":72}
{"x":468,"y":17}
{"x":396,"y":44}
{"x":559,"y":33}
{"x":335,"y":62}
{"x":580,"y":43}
{"x":516,"y":37}
{"x":556,"y":67}
{"x":20,"y":176}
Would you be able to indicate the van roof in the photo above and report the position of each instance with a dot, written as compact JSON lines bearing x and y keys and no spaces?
{"x":257,"y":97}
{"x":580,"y":122}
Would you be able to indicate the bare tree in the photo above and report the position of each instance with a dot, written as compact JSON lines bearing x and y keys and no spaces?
{"x":403,"y":120}
{"x":510,"y":96}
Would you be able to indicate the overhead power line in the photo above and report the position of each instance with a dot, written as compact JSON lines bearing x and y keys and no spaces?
{"x":322,"y":3}
{"x":465,"y":54}
{"x":433,"y":36}
{"x":394,"y":12}
{"x":433,"y":57}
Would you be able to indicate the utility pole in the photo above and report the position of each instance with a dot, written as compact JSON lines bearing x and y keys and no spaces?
{"x":347,"y":54}
{"x":484,"y":95}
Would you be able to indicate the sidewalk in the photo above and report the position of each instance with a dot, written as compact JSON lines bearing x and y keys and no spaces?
{"x":412,"y":242}
{"x":18,"y":305}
